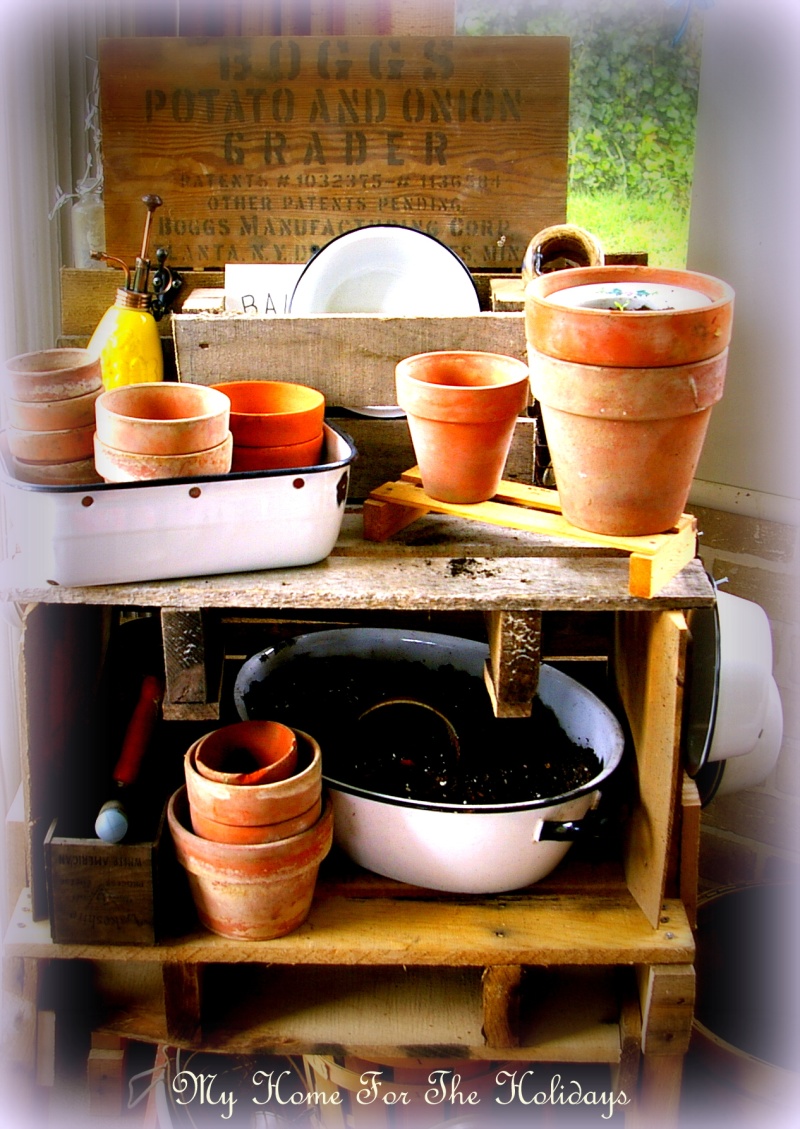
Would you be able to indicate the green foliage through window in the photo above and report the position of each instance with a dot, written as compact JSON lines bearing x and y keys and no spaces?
{"x":635,"y":67}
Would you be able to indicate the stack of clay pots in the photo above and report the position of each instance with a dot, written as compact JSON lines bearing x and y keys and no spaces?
{"x":251,"y":828}
{"x":162,"y":430}
{"x":626,"y":363}
{"x":275,"y":425}
{"x":50,"y":400}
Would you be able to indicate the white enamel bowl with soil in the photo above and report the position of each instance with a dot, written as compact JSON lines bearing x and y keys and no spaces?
{"x":477,"y":848}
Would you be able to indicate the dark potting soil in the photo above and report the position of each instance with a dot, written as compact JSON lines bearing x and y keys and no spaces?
{"x":404,"y":749}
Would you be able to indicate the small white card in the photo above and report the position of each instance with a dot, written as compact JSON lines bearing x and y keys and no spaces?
{"x":260,"y":288}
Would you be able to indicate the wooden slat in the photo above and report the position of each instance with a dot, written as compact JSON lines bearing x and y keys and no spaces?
{"x":501,"y":988}
{"x":192,"y":664}
{"x":689,"y":874}
{"x":512,"y":670}
{"x":182,"y":1000}
{"x":650,"y":658}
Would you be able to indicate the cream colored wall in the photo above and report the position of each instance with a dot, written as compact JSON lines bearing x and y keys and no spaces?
{"x":745,"y":228}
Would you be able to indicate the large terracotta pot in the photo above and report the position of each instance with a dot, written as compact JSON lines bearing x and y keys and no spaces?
{"x":586,"y":315}
{"x":625,"y":442}
{"x":462,"y":407}
{"x":250,"y":892}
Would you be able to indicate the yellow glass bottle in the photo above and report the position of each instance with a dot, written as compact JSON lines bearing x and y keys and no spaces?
{"x":127,"y":342}
{"x":126,"y":339}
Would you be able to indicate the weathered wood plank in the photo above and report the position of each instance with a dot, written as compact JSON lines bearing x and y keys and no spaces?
{"x":512,"y":670}
{"x":192,"y":664}
{"x":421,"y":579}
{"x":350,"y":358}
{"x":587,"y":929}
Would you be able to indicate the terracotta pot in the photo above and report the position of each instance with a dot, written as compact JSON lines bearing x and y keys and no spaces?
{"x":258,"y":804}
{"x":278,"y":458}
{"x":52,"y":415}
{"x":272,"y":413}
{"x":52,"y":374}
{"x":559,"y":323}
{"x":625,"y":442}
{"x":51,"y":446}
{"x":247,"y":752}
{"x":81,"y":472}
{"x":462,"y":407}
{"x":250,"y":892}
{"x":125,"y":466}
{"x":163,"y":418}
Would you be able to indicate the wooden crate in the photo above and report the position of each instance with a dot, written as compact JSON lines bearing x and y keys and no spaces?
{"x":105,"y":893}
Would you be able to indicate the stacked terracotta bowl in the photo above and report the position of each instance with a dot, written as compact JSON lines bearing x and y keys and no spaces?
{"x":251,"y":827}
{"x":162,"y":430}
{"x":275,"y":425}
{"x":50,"y":400}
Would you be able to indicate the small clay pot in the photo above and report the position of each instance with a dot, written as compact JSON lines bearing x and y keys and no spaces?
{"x":278,"y":458}
{"x":250,"y":892}
{"x":52,"y":415}
{"x":80,"y":473}
{"x":273,"y":413}
{"x":51,"y":446}
{"x":257,"y":805}
{"x":163,"y":418}
{"x":125,"y":466}
{"x":247,"y":752}
{"x":462,"y":408}
{"x":52,"y":374}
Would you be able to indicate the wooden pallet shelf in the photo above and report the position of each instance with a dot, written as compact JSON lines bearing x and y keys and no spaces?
{"x":654,"y":559}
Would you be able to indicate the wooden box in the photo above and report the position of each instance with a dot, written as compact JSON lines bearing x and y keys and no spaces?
{"x":102,"y":893}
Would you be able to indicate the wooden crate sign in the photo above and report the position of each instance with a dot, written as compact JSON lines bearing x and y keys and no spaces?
{"x":265,"y":149}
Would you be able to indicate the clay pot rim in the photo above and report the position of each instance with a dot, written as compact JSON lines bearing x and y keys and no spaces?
{"x":540,"y":290}
{"x":277,"y":828}
{"x":178,"y":817}
{"x":33,"y":433}
{"x":105,"y":403}
{"x":280,"y":768}
{"x":223,"y":792}
{"x":136,"y":458}
{"x":73,"y":357}
{"x":313,"y":395}
{"x":511,"y":382}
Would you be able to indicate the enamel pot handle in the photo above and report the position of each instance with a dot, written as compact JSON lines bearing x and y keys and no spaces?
{"x":592,"y":826}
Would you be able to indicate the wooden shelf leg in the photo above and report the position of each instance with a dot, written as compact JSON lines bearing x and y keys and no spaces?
{"x":501,"y":985}
{"x":182,"y":1000}
{"x":192,"y":664}
{"x":667,"y":994}
{"x":105,"y":1074}
{"x":512,"y":670}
